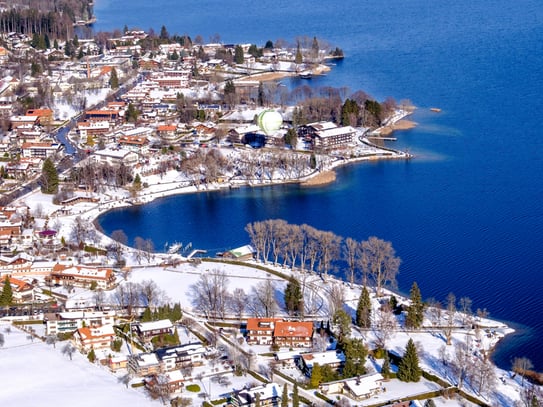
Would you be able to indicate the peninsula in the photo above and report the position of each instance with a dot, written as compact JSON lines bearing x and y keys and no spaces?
{"x":138,"y":116}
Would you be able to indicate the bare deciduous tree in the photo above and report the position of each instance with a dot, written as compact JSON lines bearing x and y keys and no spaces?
{"x":68,"y":349}
{"x":384,"y":326}
{"x":238,"y":302}
{"x":449,"y":323}
{"x":210,"y":292}
{"x":380,"y":262}
{"x":336,"y":298}
{"x":263,"y":302}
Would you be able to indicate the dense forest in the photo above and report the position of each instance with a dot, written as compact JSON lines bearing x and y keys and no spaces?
{"x":55,"y":18}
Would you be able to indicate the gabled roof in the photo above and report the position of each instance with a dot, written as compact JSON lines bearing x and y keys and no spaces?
{"x":293,"y":329}
{"x":153,"y":325}
{"x":261,"y":324}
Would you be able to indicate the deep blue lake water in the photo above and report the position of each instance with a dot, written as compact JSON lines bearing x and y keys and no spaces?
{"x":466,"y":214}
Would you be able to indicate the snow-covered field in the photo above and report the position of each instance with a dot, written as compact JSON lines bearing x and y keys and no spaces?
{"x":33,"y":373}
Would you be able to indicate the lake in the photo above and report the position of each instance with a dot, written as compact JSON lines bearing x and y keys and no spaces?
{"x":465,"y":214}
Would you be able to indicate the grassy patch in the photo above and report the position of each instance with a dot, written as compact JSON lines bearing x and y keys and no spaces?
{"x":193,"y":388}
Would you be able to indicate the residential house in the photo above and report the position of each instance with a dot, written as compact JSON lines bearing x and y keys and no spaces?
{"x":44,"y":116}
{"x":148,"y":330}
{"x":17,"y":265}
{"x":173,"y":380}
{"x":293,"y":334}
{"x":42,"y":149}
{"x":22,"y":291}
{"x":180,"y":356}
{"x":269,"y":395}
{"x":65,"y":322}
{"x":116,"y":363}
{"x":167,"y":132}
{"x":241,"y":253}
{"x":116,"y":157}
{"x":93,"y":128}
{"x":139,"y":144}
{"x":335,"y":137}
{"x":332,"y":358}
{"x":143,"y":364}
{"x":83,"y":276}
{"x":358,"y":388}
{"x":260,"y":330}
{"x":17,"y":121}
{"x":97,"y":337}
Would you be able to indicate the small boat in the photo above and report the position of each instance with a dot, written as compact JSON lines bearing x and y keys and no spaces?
{"x":305,"y":75}
{"x":435,"y":109}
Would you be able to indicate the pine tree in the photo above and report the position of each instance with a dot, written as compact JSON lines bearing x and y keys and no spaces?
{"x":176,"y":314}
{"x":295,"y":397}
{"x":239,"y":58}
{"x":114,"y":79}
{"x":316,"y":376}
{"x":415,"y":312}
{"x":363,"y":310}
{"x":49,"y":178}
{"x":91,"y":356}
{"x":355,"y":357}
{"x":408,"y":368}
{"x":147,"y":316}
{"x":294,"y":297}
{"x":284,"y":396}
{"x":7,"y":293}
{"x":298,"y":59}
{"x":385,"y":369}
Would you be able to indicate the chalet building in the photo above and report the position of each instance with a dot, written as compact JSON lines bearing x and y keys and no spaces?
{"x":44,"y":116}
{"x":143,"y":364}
{"x":110,"y":115}
{"x":65,"y":322}
{"x":149,"y":64}
{"x":331,"y":358}
{"x":148,"y":330}
{"x":269,"y":395}
{"x":22,"y":291}
{"x":293,"y":334}
{"x":174,"y":381}
{"x":139,"y":144}
{"x":40,"y":149}
{"x":336,"y":137}
{"x":268,"y":331}
{"x":116,"y":363}
{"x":358,"y":388}
{"x":17,"y":265}
{"x":17,"y":121}
{"x":260,"y":330}
{"x":116,"y":157}
{"x":242,"y":253}
{"x":100,"y":337}
{"x":82,"y":276}
{"x":167,"y":132}
{"x":181,"y":356}
{"x":93,"y":128}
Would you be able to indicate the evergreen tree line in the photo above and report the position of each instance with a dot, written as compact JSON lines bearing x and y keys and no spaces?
{"x":173,"y":313}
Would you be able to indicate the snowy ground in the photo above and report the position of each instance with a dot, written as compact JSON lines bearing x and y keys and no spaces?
{"x":34,"y":373}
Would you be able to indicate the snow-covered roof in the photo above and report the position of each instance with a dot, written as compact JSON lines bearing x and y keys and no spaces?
{"x":153,"y":325}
